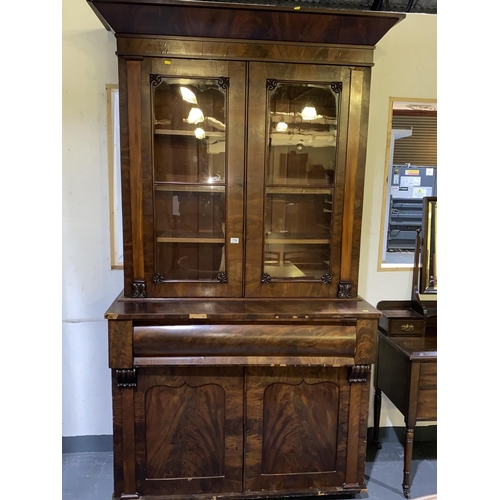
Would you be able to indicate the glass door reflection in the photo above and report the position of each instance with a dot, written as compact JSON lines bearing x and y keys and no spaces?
{"x":189,"y":178}
{"x":300,"y":178}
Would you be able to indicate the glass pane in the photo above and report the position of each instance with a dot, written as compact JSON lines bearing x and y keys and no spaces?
{"x":190,"y":261}
{"x":302,"y":125}
{"x":296,"y":261}
{"x":190,"y":131}
{"x":190,"y":231}
{"x":298,"y":233}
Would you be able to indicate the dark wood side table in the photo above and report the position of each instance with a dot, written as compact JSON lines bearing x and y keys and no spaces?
{"x":406,"y":372}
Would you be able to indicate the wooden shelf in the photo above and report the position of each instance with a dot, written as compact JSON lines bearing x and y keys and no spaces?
{"x":295,"y":241}
{"x":188,"y":133}
{"x":191,"y":188}
{"x":297,"y":190}
{"x":191,"y":237}
{"x":174,"y":239}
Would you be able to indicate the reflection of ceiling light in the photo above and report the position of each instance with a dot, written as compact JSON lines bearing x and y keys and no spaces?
{"x":199,"y":133}
{"x":309,"y":113}
{"x":214,"y":178}
{"x":195,"y":116}
{"x":281,"y":126}
{"x":188,"y":96}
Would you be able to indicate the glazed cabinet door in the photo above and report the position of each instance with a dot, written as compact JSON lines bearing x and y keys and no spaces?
{"x":189,"y":437}
{"x":183,"y":176}
{"x":301,"y":177}
{"x":297,"y":423}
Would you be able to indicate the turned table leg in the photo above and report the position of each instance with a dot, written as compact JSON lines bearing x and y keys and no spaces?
{"x":407,"y":461}
{"x":376,"y":417}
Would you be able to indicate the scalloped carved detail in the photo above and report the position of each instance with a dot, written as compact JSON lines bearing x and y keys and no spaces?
{"x":345,"y":290}
{"x":359,"y":373}
{"x":326,"y":278}
{"x":158,"y":278}
{"x":223,"y":82}
{"x":336,"y":87}
{"x":155,"y":80}
{"x":163,"y":47}
{"x":265,"y":278}
{"x":126,"y":378}
{"x":139,"y":290}
{"x":271,"y":84}
{"x":222,"y":278}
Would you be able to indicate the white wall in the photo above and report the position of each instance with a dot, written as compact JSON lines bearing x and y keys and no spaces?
{"x":89,"y":286}
{"x":405,"y":66}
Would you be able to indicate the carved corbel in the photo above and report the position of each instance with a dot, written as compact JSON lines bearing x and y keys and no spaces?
{"x":359,"y":373}
{"x":139,"y":290}
{"x":126,"y":378}
{"x":345,"y":290}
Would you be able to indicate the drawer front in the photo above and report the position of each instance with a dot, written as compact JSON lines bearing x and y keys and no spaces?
{"x":428,"y":376}
{"x":410,"y":327}
{"x":427,"y":404}
{"x":245,"y":340}
{"x":427,"y":392}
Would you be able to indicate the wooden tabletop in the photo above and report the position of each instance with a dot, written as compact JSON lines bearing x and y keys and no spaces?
{"x":240,"y":309}
{"x":424,"y":348}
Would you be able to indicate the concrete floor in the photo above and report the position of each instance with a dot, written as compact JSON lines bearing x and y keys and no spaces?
{"x":89,"y":476}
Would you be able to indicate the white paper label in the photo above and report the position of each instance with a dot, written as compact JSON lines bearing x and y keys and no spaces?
{"x":235,"y":240}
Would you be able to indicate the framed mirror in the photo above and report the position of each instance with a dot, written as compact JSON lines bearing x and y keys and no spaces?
{"x":429,"y":272}
{"x":410,"y":175}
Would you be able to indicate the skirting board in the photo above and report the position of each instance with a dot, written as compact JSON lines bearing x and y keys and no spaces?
{"x":424,"y":433}
{"x":82,"y":444}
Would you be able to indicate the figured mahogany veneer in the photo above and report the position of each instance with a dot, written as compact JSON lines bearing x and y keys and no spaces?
{"x":244,"y":340}
{"x":236,"y":375}
{"x":276,"y":394}
{"x":243,"y":22}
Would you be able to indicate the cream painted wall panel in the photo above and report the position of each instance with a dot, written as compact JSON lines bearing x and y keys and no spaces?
{"x":405,"y":66}
{"x":89,"y":285}
{"x":86,"y":382}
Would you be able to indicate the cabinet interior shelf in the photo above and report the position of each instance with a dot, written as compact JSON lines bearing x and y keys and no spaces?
{"x":297,"y":190}
{"x":191,"y":188}
{"x":188,"y":133}
{"x":294,"y":241}
{"x":173,"y":239}
{"x":190,"y":237}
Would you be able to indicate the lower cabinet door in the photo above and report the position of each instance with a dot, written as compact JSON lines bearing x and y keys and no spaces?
{"x":296,"y":428}
{"x":188,"y":424}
